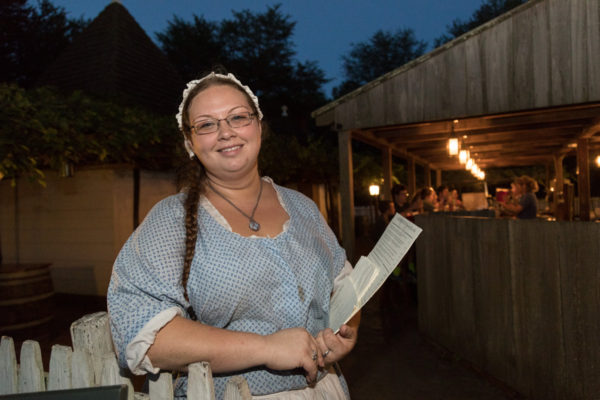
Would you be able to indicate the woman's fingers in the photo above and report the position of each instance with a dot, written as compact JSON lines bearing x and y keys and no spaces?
{"x":337,"y":345}
{"x":294,"y":348}
{"x":324,"y":350}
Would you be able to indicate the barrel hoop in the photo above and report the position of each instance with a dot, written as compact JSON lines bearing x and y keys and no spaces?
{"x":23,"y":281}
{"x":24,"y":300}
{"x":26,"y":324}
{"x":23,"y":274}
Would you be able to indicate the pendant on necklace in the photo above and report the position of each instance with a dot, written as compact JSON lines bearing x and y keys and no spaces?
{"x":255,"y":226}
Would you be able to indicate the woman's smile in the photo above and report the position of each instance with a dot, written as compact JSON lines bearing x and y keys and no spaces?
{"x":228,"y":152}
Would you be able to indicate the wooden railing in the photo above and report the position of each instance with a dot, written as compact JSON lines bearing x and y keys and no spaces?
{"x":518,"y":299}
{"x":92,"y":362}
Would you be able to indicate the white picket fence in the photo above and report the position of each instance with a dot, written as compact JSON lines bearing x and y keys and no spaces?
{"x":92,"y":362}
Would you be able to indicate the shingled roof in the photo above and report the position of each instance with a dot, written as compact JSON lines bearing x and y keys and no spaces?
{"x":114,"y":58}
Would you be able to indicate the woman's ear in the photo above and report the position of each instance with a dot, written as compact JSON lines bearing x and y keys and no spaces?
{"x":189,"y":148}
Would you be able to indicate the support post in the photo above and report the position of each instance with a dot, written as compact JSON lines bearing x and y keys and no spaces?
{"x":412,"y":178}
{"x":427,"y":175}
{"x":438,"y":178}
{"x":558,"y":173}
{"x":347,"y":192}
{"x":386,"y":155}
{"x":583,"y":179}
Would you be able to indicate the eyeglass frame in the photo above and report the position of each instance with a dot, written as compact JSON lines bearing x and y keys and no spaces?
{"x":217,"y":121}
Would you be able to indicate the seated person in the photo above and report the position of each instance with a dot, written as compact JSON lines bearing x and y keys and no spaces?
{"x":525,"y":189}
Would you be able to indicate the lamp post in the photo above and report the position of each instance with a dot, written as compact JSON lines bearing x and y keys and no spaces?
{"x":374,"y":192}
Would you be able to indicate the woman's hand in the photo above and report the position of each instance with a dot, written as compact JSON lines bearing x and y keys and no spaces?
{"x":334,"y":347}
{"x":293,"y":348}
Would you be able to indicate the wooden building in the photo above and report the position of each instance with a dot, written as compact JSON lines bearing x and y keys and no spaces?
{"x":114,"y":58}
{"x":523,"y":88}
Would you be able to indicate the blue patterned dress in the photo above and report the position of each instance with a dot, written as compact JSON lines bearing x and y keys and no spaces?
{"x":250,"y":284}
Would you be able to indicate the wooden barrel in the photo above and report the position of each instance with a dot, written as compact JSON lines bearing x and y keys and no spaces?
{"x":26,"y":299}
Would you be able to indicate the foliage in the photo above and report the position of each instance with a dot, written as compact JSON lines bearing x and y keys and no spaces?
{"x":382,"y":53}
{"x":30,"y":36}
{"x":191,"y":46}
{"x":40,"y":128}
{"x":257,"y":47}
{"x":489,"y":10}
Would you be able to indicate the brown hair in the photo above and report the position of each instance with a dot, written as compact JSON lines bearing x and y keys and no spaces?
{"x":193,"y":178}
{"x":530,"y":184}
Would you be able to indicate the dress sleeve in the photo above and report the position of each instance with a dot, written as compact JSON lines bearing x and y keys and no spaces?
{"x":145,"y":289}
{"x":338,"y":253}
{"x":343,"y":273}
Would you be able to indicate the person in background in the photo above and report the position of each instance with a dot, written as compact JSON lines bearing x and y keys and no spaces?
{"x":430,"y":200}
{"x":416,"y":204}
{"x":526,"y":207}
{"x":385,"y":215}
{"x":424,"y":201}
{"x":444,"y":198}
{"x":455,"y":202}
{"x":234,"y":270}
{"x":401,"y":198}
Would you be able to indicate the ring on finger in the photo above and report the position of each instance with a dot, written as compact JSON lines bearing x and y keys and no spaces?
{"x":314,"y":356}
{"x":325,"y":354}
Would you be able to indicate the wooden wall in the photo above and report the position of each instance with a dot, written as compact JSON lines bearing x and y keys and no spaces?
{"x":518,"y":299}
{"x":544,"y":53}
{"x":78,"y":224}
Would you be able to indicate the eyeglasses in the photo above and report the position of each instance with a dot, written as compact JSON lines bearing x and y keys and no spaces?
{"x":211,"y":125}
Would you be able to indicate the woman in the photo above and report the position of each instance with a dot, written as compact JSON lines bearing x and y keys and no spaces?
{"x":526,"y":207}
{"x":235,"y":270}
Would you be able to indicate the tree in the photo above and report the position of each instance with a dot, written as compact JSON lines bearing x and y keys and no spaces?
{"x":192,"y":47}
{"x":31,"y":36}
{"x":486,"y":12}
{"x":382,"y":53}
{"x":257,"y":47}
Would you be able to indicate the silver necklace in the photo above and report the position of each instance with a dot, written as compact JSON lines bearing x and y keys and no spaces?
{"x":253,"y":225}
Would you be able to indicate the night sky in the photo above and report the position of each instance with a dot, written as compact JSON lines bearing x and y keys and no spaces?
{"x":325,"y":29}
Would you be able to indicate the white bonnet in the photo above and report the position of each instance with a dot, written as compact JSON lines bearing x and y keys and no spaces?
{"x":192,"y":84}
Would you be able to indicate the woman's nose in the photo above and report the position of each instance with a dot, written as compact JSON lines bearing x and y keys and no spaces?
{"x":225,"y":131}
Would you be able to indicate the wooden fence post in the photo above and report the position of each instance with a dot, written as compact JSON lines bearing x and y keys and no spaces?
{"x":91,"y":333}
{"x":59,"y":372}
{"x":82,"y":370}
{"x":31,"y":369}
{"x":200,"y":382}
{"x":161,"y":388}
{"x":112,"y":374}
{"x":237,"y":389}
{"x":8,"y":366}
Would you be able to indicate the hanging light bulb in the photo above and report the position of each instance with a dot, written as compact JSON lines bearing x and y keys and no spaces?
{"x":463,"y":156}
{"x":469,"y":164}
{"x":453,"y":141}
{"x":453,"y":146}
{"x":598,"y":161}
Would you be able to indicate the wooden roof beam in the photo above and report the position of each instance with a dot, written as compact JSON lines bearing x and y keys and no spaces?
{"x":590,"y":130}
{"x":369,"y":138}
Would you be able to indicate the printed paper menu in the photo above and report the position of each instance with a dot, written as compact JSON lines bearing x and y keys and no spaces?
{"x":371,"y":271}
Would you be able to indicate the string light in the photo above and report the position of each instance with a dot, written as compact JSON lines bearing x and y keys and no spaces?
{"x":453,"y":141}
